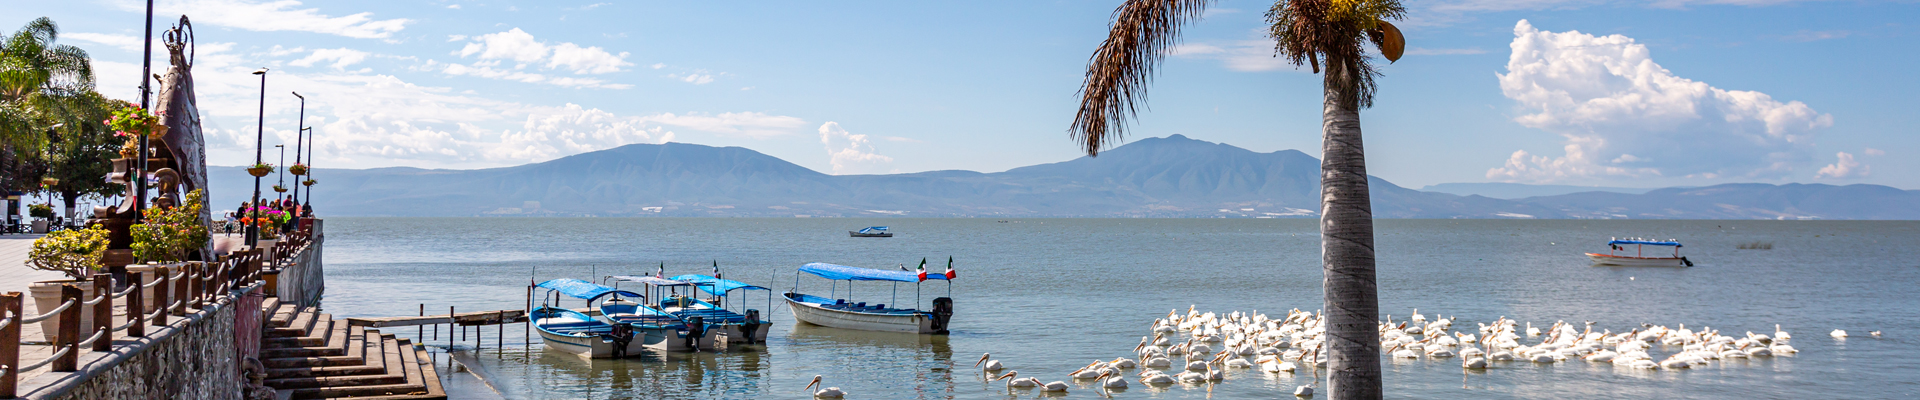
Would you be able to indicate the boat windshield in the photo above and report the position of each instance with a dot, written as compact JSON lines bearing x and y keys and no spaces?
{"x":1617,"y":242}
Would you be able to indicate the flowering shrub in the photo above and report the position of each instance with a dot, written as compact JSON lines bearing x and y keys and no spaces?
{"x":44,"y":211}
{"x":76,"y":252}
{"x":268,"y":219}
{"x":297,"y":169}
{"x":171,"y":232}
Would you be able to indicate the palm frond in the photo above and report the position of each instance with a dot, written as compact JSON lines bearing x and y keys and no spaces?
{"x":1119,"y":71}
{"x":1332,"y":35}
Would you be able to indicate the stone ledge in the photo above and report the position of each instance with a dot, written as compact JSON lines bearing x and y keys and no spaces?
{"x":54,"y":385}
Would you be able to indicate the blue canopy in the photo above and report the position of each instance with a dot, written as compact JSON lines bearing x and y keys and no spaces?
{"x":584,"y":290}
{"x":652,"y":280}
{"x":1645,"y":242}
{"x":872,"y":229}
{"x":846,"y":273}
{"x":716,"y":286}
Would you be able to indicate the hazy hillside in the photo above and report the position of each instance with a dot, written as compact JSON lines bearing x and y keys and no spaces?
{"x":1156,"y":177}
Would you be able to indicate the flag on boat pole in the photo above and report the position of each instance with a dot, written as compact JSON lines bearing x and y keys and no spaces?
{"x":950,"y":274}
{"x":662,"y":272}
{"x":923,"y":270}
{"x":716,"y":269}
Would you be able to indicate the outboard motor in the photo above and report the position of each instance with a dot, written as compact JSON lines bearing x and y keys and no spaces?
{"x":752,"y":325}
{"x":622,"y":334}
{"x":696,"y":329}
{"x":942,"y":312}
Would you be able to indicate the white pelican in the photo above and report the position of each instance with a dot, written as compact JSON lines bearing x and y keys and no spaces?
{"x":1087,"y":372}
{"x":1156,"y":378}
{"x":1780,"y":335}
{"x":1112,"y":383}
{"x":1873,"y":333}
{"x":1532,"y":331}
{"x":1055,"y":387}
{"x":1303,"y":391}
{"x":1198,"y":366}
{"x":1838,"y":334}
{"x":1123,"y":363}
{"x":992,"y":365}
{"x":825,"y":392}
{"x":1474,"y":363}
{"x":1018,"y":383}
{"x":1159,"y":362}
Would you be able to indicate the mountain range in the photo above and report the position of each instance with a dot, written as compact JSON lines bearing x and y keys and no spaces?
{"x":1173,"y":176}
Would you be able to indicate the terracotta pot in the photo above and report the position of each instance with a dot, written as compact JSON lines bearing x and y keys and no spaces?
{"x":46,"y":297}
{"x":259,"y":172}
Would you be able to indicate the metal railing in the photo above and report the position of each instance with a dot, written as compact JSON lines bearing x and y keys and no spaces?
{"x":187,"y":288}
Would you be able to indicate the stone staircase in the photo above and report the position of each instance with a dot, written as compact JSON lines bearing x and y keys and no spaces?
{"x":310,"y":355}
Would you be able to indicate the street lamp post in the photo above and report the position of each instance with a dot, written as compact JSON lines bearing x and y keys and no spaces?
{"x":297,"y":141}
{"x":283,"y":171}
{"x":259,"y":137}
{"x":310,"y":170}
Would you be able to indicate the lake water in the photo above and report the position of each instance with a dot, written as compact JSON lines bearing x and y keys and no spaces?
{"x":1047,"y":296}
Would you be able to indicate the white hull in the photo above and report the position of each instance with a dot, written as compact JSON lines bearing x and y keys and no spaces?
{"x":734,"y":334}
{"x":817,"y":315}
{"x":595,"y":347}
{"x":1603,"y":259}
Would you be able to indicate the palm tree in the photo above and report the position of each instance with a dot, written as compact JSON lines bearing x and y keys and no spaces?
{"x":1330,"y":36}
{"x":44,"y":87}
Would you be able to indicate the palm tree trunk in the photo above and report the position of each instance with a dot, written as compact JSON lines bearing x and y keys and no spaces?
{"x":1346,"y":245}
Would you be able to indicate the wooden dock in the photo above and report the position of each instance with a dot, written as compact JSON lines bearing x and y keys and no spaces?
{"x":495,"y":317}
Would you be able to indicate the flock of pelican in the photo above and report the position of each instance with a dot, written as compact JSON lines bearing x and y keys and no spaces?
{"x":1206,"y":344}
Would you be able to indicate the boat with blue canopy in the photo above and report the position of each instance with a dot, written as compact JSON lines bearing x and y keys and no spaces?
{"x":585,"y":335}
{"x":836,"y":311}
{"x":712,"y":316}
{"x":1639,"y":257}
{"x":871,"y":231}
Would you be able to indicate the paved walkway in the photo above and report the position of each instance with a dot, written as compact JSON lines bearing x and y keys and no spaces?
{"x":14,"y":273}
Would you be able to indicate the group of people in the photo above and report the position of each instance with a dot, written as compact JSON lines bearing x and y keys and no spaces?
{"x":288,"y":206}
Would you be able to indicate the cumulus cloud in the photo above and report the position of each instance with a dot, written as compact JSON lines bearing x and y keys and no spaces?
{"x":1252,"y":55}
{"x":341,"y":58}
{"x":1846,"y":167}
{"x":521,"y":47}
{"x":123,"y":42}
{"x":1622,"y":115}
{"x":277,"y":15}
{"x":693,"y":78}
{"x":850,"y":153}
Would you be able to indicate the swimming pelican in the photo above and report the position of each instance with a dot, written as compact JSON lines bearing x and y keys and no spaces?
{"x":992,"y":365}
{"x":1838,"y":334}
{"x":1303,"y":391}
{"x":1475,"y":363}
{"x":1018,"y":383}
{"x":1087,"y":372}
{"x":1780,"y":335}
{"x":1874,"y":333}
{"x":1156,"y":378}
{"x":1055,"y":387}
{"x":1114,"y":383}
{"x":1159,"y":362}
{"x":1532,"y":331}
{"x":1197,"y":366}
{"x":825,"y":392}
{"x":1123,"y":363}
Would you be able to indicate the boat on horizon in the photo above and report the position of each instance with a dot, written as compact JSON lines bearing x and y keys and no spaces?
{"x":841,"y":313}
{"x":871,"y":231}
{"x":1639,"y":258}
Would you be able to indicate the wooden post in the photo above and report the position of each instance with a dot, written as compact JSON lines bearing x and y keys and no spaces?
{"x":136,"y":307}
{"x":10,"y":344}
{"x":450,"y":328}
{"x":69,"y":335}
{"x":196,"y":288}
{"x":422,"y":328}
{"x":500,"y":332}
{"x":103,"y":312}
{"x":181,"y":290}
{"x":161,"y":297}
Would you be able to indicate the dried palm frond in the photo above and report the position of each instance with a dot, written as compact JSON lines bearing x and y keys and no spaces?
{"x":1117,"y":74}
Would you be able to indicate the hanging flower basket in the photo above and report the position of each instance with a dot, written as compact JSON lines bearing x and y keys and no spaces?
{"x":297,"y":169}
{"x":260,"y":170}
{"x":49,"y":182}
{"x":278,"y":188}
{"x":309,"y":182}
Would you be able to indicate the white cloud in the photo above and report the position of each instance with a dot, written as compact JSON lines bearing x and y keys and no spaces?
{"x":528,"y":77}
{"x":659,"y":65}
{"x":453,"y":6}
{"x":522,"y":48}
{"x":277,"y":15}
{"x":1846,"y":167}
{"x":850,"y":153}
{"x":123,"y":42}
{"x":1814,"y":36}
{"x":341,"y":57}
{"x":1253,"y":55}
{"x":1875,"y":152}
{"x":693,"y":78}
{"x":1444,"y":52}
{"x":1623,"y":115}
{"x":368,"y":120}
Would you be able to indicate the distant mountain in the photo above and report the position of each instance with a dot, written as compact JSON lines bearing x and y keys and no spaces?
{"x":1502,"y":190}
{"x":1156,"y":177}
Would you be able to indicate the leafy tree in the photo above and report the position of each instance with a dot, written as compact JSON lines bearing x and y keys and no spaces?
{"x":42,"y":84}
{"x":1330,"y":36}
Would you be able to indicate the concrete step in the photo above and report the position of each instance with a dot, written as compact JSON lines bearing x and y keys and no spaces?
{"x":320,"y":336}
{"x":395,"y":353}
{"x":419,"y":371}
{"x":281,"y":314}
{"x":314,"y":366}
{"x":298,"y":326}
{"x":268,"y":307}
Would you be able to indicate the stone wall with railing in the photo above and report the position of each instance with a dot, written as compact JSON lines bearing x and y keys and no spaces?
{"x":173,"y":332}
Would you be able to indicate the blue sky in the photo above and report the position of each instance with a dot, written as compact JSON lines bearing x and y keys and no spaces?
{"x":1632,"y":93}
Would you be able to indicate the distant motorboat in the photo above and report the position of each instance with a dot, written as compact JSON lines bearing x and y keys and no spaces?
{"x":871,"y":231}
{"x":1639,"y":259}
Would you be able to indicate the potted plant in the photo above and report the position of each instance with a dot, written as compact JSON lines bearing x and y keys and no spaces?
{"x":42,"y":214}
{"x":297,"y":169}
{"x":278,"y":188}
{"x":169,"y":233}
{"x":132,"y":120}
{"x":269,"y":221}
{"x":77,"y":254}
{"x":309,"y":182}
{"x":260,"y":170}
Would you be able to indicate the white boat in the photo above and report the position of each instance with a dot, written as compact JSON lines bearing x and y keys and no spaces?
{"x":871,"y":231}
{"x":1639,"y":258}
{"x":841,"y":313}
{"x":584,"y":335}
{"x":714,"y":321}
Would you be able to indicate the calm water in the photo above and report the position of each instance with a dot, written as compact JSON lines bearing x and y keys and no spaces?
{"x":1047,"y":296}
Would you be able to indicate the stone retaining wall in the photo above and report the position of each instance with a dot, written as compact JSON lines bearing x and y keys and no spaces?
{"x":191,"y":358}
